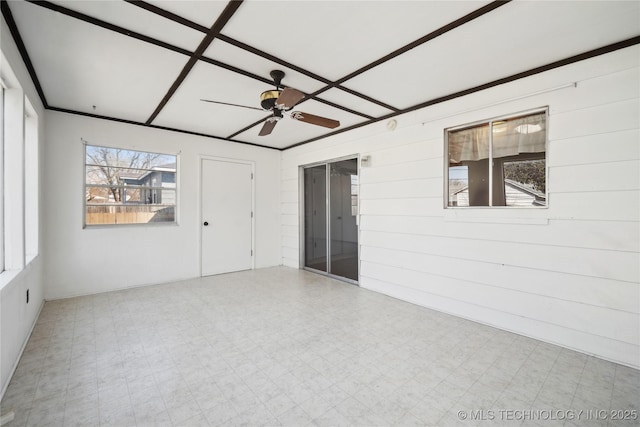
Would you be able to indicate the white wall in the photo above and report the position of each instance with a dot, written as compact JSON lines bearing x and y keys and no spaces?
{"x":86,"y":261}
{"x":568,"y":274}
{"x":16,"y":316}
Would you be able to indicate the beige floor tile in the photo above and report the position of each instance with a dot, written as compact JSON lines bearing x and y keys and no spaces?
{"x":286,"y":347}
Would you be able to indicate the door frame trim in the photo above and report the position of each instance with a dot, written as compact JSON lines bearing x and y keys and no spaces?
{"x":201,"y":159}
{"x":301,"y":224}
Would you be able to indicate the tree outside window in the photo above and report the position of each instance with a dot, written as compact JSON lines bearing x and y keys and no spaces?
{"x":128,"y":187}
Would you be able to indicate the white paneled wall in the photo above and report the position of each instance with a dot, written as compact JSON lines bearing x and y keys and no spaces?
{"x":568,"y":274}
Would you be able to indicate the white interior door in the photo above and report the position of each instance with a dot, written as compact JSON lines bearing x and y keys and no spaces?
{"x":227,"y":218}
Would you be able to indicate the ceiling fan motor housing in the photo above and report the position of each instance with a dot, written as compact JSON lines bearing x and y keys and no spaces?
{"x":268,"y":99}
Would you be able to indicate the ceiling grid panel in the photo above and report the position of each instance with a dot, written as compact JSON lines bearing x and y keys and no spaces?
{"x":357,"y":63}
{"x":222,"y":20}
{"x":106,"y":25}
{"x":88,"y":68}
{"x":15,"y":33}
{"x":210,"y":54}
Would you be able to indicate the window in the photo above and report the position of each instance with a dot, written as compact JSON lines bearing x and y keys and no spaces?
{"x":129,"y":187}
{"x":354,"y":195}
{"x":31,"y":182}
{"x":19,"y":177}
{"x":500,"y":162}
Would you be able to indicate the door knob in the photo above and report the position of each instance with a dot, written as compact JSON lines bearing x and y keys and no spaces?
{"x":205,"y":223}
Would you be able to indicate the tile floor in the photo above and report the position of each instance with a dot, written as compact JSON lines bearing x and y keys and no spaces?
{"x":286,"y":347}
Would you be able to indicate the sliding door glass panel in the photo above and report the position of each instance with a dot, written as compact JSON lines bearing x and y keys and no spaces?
{"x":315,"y":217}
{"x":343,"y":201}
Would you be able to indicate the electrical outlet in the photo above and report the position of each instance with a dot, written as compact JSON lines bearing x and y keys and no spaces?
{"x":27,"y":296}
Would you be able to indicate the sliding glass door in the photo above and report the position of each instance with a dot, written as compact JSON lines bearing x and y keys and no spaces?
{"x":315,"y":218}
{"x":330,"y":218}
{"x":343,"y":227}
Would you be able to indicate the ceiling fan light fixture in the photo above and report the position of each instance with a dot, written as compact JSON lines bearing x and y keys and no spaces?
{"x":268,"y":99}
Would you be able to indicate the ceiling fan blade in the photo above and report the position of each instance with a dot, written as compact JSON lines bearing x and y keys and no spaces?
{"x":268,"y":126}
{"x":315,"y":120}
{"x":288,"y":98}
{"x":232,"y":105}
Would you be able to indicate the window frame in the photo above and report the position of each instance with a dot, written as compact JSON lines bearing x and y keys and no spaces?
{"x":31,"y":181}
{"x":490,"y":123}
{"x":152,"y":189}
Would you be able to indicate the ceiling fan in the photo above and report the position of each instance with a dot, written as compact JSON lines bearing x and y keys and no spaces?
{"x":280,"y":101}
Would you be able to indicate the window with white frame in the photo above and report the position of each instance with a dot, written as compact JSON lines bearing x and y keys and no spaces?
{"x":499,"y":162}
{"x":31,"y":182}
{"x":129,"y":187}
{"x":19,"y":170}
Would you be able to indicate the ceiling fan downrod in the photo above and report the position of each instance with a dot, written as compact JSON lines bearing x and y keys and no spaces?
{"x":277,"y":76}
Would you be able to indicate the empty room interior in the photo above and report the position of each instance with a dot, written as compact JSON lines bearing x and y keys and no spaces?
{"x":319,"y":213}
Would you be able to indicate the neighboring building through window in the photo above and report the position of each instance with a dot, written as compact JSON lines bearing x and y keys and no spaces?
{"x":129,"y":187}
{"x":499,"y":162}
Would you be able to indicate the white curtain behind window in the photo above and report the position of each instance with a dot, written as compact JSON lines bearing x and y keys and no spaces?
{"x":510,"y":138}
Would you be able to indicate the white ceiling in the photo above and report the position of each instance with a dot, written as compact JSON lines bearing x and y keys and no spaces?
{"x":368,"y":60}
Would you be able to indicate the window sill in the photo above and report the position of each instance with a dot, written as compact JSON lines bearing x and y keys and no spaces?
{"x":496,"y":215}
{"x":29,"y":258}
{"x":130,"y":225}
{"x":8,"y":276}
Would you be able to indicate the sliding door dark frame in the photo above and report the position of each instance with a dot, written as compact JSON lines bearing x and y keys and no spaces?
{"x":302,"y":221}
